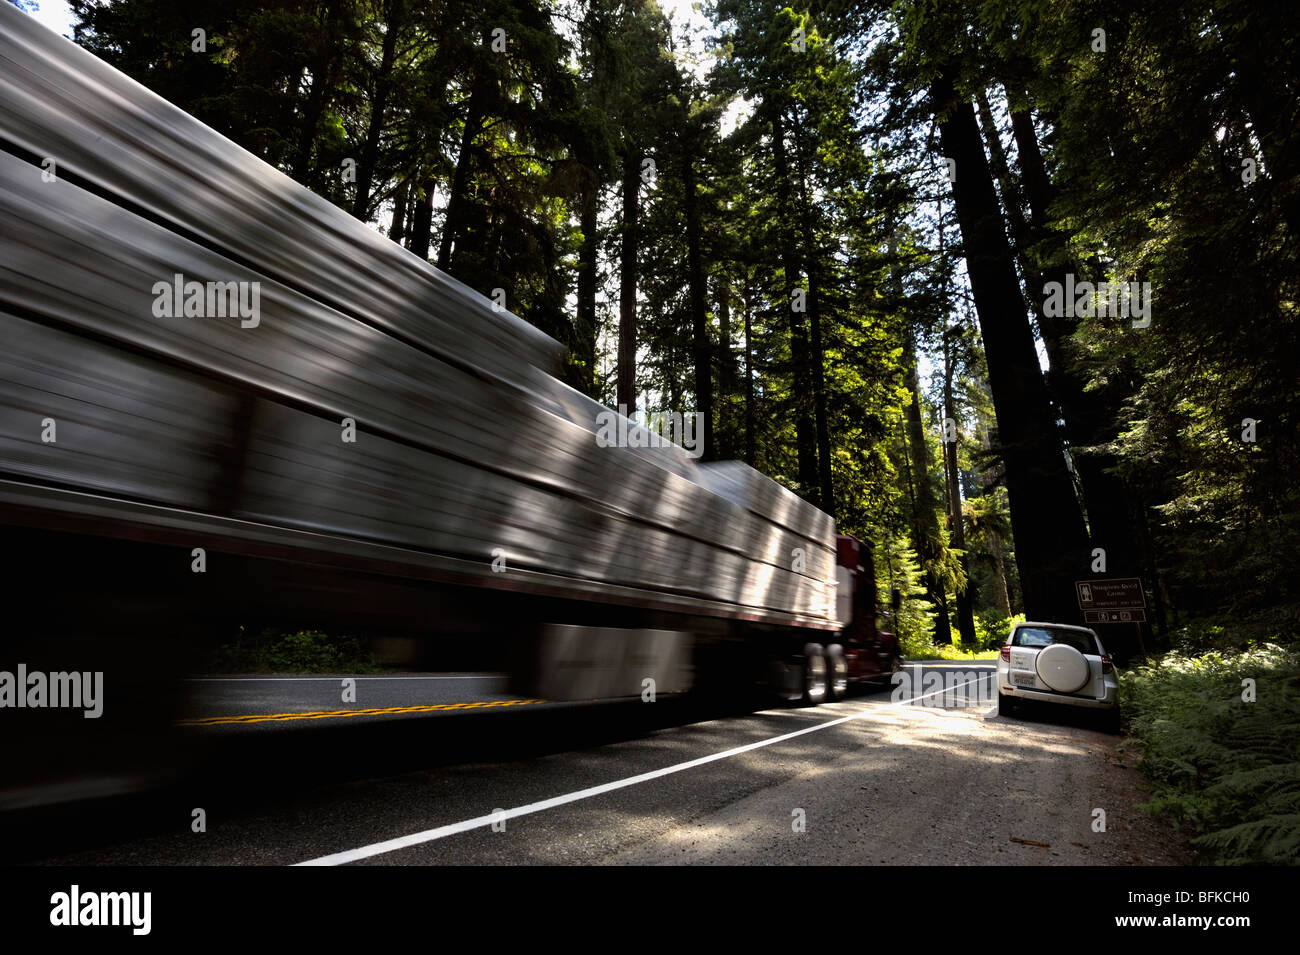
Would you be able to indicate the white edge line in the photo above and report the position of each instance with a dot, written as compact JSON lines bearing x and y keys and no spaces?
{"x":442,"y":832}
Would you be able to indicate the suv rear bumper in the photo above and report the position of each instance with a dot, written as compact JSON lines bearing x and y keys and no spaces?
{"x":1111,"y":698}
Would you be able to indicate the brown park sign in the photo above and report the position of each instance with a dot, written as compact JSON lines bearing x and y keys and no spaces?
{"x":1120,"y":594}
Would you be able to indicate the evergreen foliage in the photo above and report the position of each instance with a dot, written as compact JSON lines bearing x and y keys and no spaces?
{"x":1225,"y":766}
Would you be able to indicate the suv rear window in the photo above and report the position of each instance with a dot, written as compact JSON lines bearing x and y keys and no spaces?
{"x":1046,"y":636}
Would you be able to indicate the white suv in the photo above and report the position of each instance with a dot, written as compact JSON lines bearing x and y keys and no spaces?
{"x":1057,"y":663}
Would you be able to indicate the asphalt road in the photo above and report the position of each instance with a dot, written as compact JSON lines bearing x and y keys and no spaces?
{"x":866,"y":781}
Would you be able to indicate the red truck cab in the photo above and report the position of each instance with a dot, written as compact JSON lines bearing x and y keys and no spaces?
{"x":869,"y":651}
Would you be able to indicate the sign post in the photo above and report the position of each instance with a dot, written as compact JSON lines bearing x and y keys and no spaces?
{"x":1119,"y":600}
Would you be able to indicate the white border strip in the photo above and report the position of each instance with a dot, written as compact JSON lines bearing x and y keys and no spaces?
{"x":442,"y":832}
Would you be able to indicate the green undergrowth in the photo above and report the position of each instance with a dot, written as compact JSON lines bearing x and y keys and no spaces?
{"x":302,"y":651}
{"x":1223,"y":753}
{"x":991,"y":631}
{"x":950,"y":652}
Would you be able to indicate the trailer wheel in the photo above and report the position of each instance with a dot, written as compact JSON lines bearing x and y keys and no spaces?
{"x":814,"y":674}
{"x":837,"y":673}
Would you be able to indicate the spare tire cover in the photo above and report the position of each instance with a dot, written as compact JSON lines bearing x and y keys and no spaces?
{"x":1062,"y":668}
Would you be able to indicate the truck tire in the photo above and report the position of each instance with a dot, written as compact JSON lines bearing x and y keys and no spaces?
{"x":837,"y":673}
{"x":885,"y":679}
{"x":814,"y":674}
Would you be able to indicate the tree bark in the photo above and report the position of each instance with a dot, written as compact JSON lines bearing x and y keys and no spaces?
{"x":817,"y":358}
{"x":701,"y":346}
{"x":925,"y":520}
{"x":401,"y":198}
{"x":627,"y":282}
{"x":725,"y":432}
{"x":748,"y":302}
{"x":1011,"y":199}
{"x":1089,"y":416}
{"x":422,"y":220}
{"x":805,"y":433}
{"x":1001,"y":590}
{"x":1051,"y":545}
{"x":1261,"y":58}
{"x":378,"y":108}
{"x":310,"y":121}
{"x":956,"y":530}
{"x":474,"y":114}
{"x":322,"y":70}
{"x":585,"y":327}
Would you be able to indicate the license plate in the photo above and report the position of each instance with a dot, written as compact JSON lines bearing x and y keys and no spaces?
{"x":1022,"y":679}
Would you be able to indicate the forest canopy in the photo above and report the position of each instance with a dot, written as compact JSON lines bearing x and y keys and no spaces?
{"x":1007,"y":288}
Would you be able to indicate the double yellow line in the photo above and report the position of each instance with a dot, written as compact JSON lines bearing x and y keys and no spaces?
{"x":339,"y":714}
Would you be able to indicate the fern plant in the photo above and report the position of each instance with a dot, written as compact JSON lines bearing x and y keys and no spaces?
{"x":1219,"y":735}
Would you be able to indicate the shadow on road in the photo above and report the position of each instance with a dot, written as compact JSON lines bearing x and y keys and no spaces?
{"x":233,"y":771}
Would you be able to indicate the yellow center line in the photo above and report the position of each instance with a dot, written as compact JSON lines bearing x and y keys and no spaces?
{"x":337,"y":714}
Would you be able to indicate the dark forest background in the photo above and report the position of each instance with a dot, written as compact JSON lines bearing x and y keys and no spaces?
{"x":829,"y":229}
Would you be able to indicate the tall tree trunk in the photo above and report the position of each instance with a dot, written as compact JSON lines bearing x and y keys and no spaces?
{"x":1090,"y":416}
{"x":725,"y":431}
{"x":925,"y":509}
{"x":1001,"y":591}
{"x":956,"y":529}
{"x":401,"y":198}
{"x":627,"y":282}
{"x":396,"y":21}
{"x":322,"y":69}
{"x":1262,"y":56}
{"x":478,"y":238}
{"x":424,"y":181}
{"x":701,"y":346}
{"x":805,"y":433}
{"x":817,"y":358}
{"x":585,"y":327}
{"x":1051,"y":545}
{"x":1011,"y":198}
{"x":454,"y":224}
{"x":311,"y":115}
{"x":748,"y":302}
{"x":825,"y":480}
{"x":422,"y":220}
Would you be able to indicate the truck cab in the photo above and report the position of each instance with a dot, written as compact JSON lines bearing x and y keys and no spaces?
{"x":869,"y":651}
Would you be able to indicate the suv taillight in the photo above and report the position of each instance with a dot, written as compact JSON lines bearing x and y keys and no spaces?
{"x":1006,"y":652}
{"x":1106,"y":666}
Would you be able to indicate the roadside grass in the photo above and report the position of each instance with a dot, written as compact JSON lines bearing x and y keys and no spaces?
{"x":302,"y":651}
{"x":949,"y":652}
{"x":1223,"y":752}
{"x":991,"y":631}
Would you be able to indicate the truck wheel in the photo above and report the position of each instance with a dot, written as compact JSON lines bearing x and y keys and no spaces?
{"x":885,"y":678}
{"x":837,"y":673}
{"x":814,"y":674}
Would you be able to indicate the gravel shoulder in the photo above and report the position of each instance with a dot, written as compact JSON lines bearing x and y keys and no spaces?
{"x":891,"y":785}
{"x":956,"y":787}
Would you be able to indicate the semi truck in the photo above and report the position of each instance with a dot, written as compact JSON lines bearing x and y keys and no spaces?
{"x":225,"y":403}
